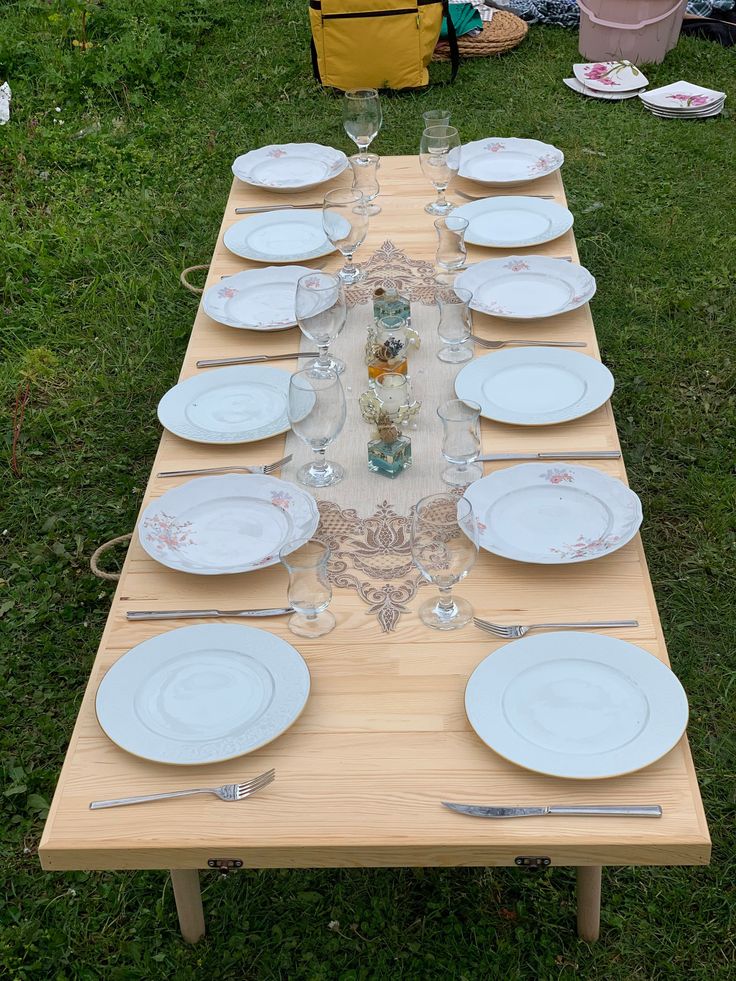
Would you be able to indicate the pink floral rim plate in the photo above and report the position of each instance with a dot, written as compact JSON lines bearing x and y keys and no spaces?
{"x":683,"y":99}
{"x":289,"y":166}
{"x":507,"y":161}
{"x":610,"y":76}
{"x":553,"y":514}
{"x":221,"y":525}
{"x":527,"y":287}
{"x":256,"y":299}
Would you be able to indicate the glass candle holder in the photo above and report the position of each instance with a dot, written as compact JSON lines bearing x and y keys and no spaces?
{"x":309,"y":590}
{"x":392,"y":391}
{"x":461,"y":443}
{"x":451,"y":251}
{"x":365,"y":179}
{"x":455,"y":324}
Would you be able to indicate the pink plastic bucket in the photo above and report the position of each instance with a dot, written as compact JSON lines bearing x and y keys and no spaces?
{"x":639,"y":30}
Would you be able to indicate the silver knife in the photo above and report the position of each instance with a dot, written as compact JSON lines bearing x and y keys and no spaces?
{"x":589,"y":810}
{"x":255,"y":359}
{"x":573,"y":455}
{"x":274,"y":207}
{"x":191,"y":614}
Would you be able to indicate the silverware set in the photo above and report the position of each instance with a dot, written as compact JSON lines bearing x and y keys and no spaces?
{"x":518,"y":630}
{"x":231,"y":792}
{"x":266,"y":468}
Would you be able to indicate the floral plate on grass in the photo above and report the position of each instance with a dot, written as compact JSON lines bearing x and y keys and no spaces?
{"x":610,"y":76}
{"x":684,"y":98}
{"x":553,"y":514}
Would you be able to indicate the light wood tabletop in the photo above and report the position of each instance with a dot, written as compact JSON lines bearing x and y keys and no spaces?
{"x":384,"y":737}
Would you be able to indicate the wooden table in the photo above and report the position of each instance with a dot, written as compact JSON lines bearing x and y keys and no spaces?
{"x":384,"y":737}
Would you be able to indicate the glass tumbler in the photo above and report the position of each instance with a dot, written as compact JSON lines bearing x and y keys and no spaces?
{"x":455,"y":324}
{"x":444,"y":546}
{"x":309,"y":591}
{"x":436,"y":117}
{"x":451,"y":251}
{"x":365,"y":180}
{"x":461,"y":443}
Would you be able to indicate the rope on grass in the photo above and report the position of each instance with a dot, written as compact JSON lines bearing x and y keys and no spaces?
{"x":185,"y":282}
{"x":93,"y":562}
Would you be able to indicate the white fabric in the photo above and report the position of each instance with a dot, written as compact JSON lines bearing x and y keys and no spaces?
{"x":5,"y":97}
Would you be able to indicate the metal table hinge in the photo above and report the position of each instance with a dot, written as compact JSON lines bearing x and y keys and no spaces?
{"x":225,"y":865}
{"x":533,"y":863}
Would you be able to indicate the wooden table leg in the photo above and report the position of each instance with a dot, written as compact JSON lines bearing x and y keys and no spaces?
{"x":188,"y":903}
{"x":589,"y":901}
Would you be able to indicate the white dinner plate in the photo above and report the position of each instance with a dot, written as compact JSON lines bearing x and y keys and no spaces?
{"x":553,"y":513}
{"x":682,"y":95}
{"x":202,"y":694}
{"x":256,"y":299}
{"x":232,"y":523}
{"x":575,"y":705}
{"x":512,"y":221}
{"x":687,"y":114}
{"x":535,"y":386}
{"x":240,"y":404}
{"x":506,"y":161}
{"x":289,"y":166}
{"x":526,"y":287}
{"x":576,"y":86}
{"x":280,"y":236}
{"x":610,"y":76}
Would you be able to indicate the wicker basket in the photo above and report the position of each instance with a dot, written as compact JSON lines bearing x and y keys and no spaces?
{"x":502,"y":34}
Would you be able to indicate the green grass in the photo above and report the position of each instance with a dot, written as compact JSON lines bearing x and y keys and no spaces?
{"x":97,"y":217}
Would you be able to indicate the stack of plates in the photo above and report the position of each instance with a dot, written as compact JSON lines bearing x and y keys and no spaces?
{"x":610,"y":80}
{"x":683,"y":100}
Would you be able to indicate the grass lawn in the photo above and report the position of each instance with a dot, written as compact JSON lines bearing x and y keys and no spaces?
{"x":101,"y":204}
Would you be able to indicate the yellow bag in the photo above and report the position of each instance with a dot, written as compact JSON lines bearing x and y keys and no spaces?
{"x":382,"y":44}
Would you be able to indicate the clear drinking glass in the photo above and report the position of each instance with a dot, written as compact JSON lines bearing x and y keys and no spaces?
{"x":436,"y":117}
{"x":451,"y":251}
{"x":345,"y":222}
{"x":309,"y":588}
{"x":461,"y":443}
{"x":444,"y":546}
{"x":439,"y":157}
{"x":321,"y":313}
{"x":365,"y":179}
{"x":317,"y":414}
{"x":455,"y":324}
{"x":362,"y":117}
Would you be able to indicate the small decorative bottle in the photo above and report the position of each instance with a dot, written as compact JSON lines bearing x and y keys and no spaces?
{"x":386,"y":347}
{"x":390,"y":454}
{"x":388,"y":302}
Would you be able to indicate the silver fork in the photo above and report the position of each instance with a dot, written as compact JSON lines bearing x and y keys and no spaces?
{"x":516,"y":631}
{"x":494,"y":345}
{"x":229,"y":791}
{"x":265,"y":468}
{"x":481,"y":197}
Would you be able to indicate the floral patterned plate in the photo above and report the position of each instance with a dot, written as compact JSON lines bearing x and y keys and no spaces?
{"x":553,"y":514}
{"x":256,"y":299}
{"x":535,"y":386}
{"x":235,"y":523}
{"x":576,"y":86}
{"x":202,"y":694}
{"x":527,"y":287}
{"x":610,"y":76}
{"x":279,"y":236}
{"x":289,"y":166}
{"x":508,"y":222}
{"x":241,"y":404}
{"x":505,"y":162}
{"x":576,"y":705}
{"x":683,"y":97}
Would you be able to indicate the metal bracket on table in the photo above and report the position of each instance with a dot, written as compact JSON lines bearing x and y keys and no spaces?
{"x":533,"y":863}
{"x":225,"y":865}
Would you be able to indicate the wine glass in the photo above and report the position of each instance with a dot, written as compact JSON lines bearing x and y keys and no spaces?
{"x":439,"y":157}
{"x":345,"y":221}
{"x":444,"y":546}
{"x":321,"y":313}
{"x":317,"y":414}
{"x":362,"y":117}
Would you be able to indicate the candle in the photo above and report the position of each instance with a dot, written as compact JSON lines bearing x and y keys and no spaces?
{"x":392,"y":391}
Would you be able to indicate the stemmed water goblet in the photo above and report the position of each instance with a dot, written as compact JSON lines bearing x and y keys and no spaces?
{"x":362,"y":117}
{"x":439,"y":157}
{"x":321,"y":313}
{"x":345,"y":222}
{"x":444,"y":546}
{"x":317,"y":414}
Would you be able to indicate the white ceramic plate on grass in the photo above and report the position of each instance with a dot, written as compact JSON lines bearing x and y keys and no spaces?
{"x":279,"y":236}
{"x":535,"y":386}
{"x":576,"y":705}
{"x":554,"y":513}
{"x":506,"y":161}
{"x":240,"y":404}
{"x":576,"y":86}
{"x":610,"y":76}
{"x":512,"y":221}
{"x":202,"y":694}
{"x":288,"y":167}
{"x":682,"y":96}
